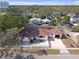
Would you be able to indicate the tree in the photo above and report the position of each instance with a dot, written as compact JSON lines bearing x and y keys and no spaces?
{"x":53,"y":23}
{"x":10,"y":24}
{"x":13,"y":9}
{"x":66,"y":19}
{"x":11,"y":20}
{"x":10,"y":42}
{"x":75,"y":28}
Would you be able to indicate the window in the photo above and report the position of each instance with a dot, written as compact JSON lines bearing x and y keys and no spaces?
{"x":57,"y":36}
{"x":51,"y":34}
{"x":41,"y":36}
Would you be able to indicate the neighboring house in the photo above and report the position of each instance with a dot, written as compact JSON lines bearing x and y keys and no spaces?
{"x":46,"y":20}
{"x":39,"y":20}
{"x":40,"y":33}
{"x":74,"y":21}
{"x":50,"y":17}
{"x":35,"y":20}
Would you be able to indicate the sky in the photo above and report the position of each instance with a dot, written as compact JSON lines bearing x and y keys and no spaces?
{"x":43,"y":2}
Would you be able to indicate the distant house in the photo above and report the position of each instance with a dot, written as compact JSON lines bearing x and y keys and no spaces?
{"x":74,"y":21}
{"x":38,"y":20}
{"x":35,"y":20}
{"x":50,"y":17}
{"x":40,"y":33}
{"x":46,"y":20}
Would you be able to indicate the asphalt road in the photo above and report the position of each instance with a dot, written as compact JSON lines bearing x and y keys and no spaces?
{"x":57,"y":57}
{"x":52,"y":57}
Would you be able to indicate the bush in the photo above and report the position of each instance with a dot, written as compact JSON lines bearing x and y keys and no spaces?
{"x":75,"y":28}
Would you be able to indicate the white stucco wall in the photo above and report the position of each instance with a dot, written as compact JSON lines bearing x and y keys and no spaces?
{"x":71,"y":20}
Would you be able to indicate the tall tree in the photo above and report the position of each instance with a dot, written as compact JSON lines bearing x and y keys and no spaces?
{"x":66,"y":19}
{"x":10,"y":20}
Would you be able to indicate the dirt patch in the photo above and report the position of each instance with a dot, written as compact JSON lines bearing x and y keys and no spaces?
{"x":74,"y":52}
{"x":69,"y":43}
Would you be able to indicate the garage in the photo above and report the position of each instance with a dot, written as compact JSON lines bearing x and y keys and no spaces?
{"x":57,"y":36}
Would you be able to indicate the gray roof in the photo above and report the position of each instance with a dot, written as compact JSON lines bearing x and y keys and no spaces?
{"x":75,"y":20}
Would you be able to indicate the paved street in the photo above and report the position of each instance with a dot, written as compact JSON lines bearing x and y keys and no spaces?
{"x":7,"y":58}
{"x":58,"y":57}
{"x":53,"y":57}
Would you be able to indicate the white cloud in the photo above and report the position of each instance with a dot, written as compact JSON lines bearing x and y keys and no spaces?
{"x":35,"y":3}
{"x":76,"y":2}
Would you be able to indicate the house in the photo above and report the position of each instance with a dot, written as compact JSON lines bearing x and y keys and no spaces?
{"x":45,"y":20}
{"x":51,"y":17}
{"x":40,"y":33}
{"x":35,"y":20}
{"x":56,"y":33}
{"x":39,"y":20}
{"x":33,"y":33}
{"x":74,"y":21}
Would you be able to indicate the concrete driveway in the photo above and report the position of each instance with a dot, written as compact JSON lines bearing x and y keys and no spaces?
{"x":52,"y":57}
{"x":56,"y":44}
{"x":73,"y":34}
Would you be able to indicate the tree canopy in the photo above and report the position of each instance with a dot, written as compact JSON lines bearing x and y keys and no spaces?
{"x":11,"y":20}
{"x":66,"y":19}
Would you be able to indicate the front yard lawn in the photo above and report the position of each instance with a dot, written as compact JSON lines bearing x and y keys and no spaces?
{"x":49,"y":51}
{"x":53,"y":51}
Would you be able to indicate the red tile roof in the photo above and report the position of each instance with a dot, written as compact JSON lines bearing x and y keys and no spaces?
{"x":40,"y":32}
{"x":55,"y":31}
{"x":43,"y":32}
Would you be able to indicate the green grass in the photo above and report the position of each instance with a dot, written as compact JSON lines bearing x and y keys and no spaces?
{"x":53,"y":51}
{"x":49,"y":51}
